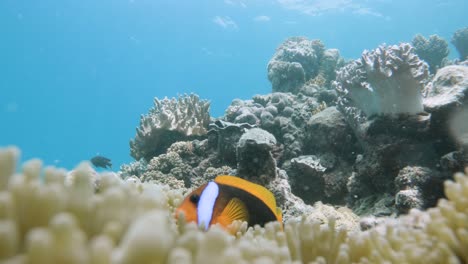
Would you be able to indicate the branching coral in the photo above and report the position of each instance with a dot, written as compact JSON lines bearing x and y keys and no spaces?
{"x":460,"y":41}
{"x":170,"y":120}
{"x":129,"y":222}
{"x":433,"y":50}
{"x":387,"y":80}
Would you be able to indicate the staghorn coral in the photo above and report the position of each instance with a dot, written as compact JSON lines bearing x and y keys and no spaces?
{"x":127,"y":222}
{"x":460,"y":41}
{"x":170,"y":120}
{"x":387,"y":80}
{"x":433,"y":50}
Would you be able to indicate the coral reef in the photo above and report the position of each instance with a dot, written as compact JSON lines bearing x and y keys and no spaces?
{"x":388,"y":80}
{"x":314,"y":145}
{"x":282,"y":114}
{"x":170,"y":120}
{"x":433,"y":50}
{"x":299,"y":60}
{"x":388,"y":146}
{"x":46,"y":221}
{"x":381,"y":98}
{"x":460,"y":41}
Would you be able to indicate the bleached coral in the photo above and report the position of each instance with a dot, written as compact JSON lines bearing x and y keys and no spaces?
{"x":387,"y":80}
{"x":131,"y":222}
{"x":170,"y":120}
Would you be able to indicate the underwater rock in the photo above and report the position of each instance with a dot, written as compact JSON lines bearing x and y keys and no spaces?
{"x":315,"y":179}
{"x":298,"y":61}
{"x":292,"y":206}
{"x":328,"y":131}
{"x":255,"y":160}
{"x":248,"y":118}
{"x":447,"y":91}
{"x":460,"y":41}
{"x":223,"y":137}
{"x":433,"y":50}
{"x":417,"y":187}
{"x":382,"y":204}
{"x":445,"y":97}
{"x":454,"y":161}
{"x":408,"y":199}
{"x":387,"y":80}
{"x":330,"y":62}
{"x":295,"y":61}
{"x":307,"y":178}
{"x":286,"y":76}
{"x":170,"y":120}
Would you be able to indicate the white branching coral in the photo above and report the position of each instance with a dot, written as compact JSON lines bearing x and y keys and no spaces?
{"x":388,"y":80}
{"x":48,"y":221}
{"x":170,"y":120}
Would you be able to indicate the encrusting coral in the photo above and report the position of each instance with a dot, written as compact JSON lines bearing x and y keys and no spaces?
{"x":45,"y":220}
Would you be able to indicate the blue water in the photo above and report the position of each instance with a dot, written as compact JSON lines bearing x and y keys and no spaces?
{"x":75,"y":76}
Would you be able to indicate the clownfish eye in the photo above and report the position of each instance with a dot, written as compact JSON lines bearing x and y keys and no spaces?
{"x":194,"y":198}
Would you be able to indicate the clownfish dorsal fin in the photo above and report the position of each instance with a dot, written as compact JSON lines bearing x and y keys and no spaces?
{"x":254,"y":189}
{"x":234,"y":210}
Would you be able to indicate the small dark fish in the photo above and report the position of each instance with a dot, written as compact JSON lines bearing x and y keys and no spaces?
{"x":101,"y":162}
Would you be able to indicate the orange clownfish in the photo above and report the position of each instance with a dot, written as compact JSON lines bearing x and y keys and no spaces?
{"x":230,"y":198}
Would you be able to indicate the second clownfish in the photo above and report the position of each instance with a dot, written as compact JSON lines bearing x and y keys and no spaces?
{"x":229,"y":198}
